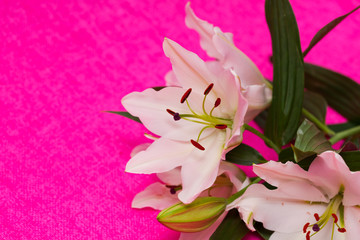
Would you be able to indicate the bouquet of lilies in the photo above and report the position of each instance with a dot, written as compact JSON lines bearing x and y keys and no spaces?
{"x":198,"y":120}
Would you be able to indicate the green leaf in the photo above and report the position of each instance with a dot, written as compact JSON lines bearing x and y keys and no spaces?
{"x":325,"y":30}
{"x":126,"y":114}
{"x":287,"y":155}
{"x":315,"y":104}
{"x":263,"y":232}
{"x":340,"y":92}
{"x":158,"y":88}
{"x":231,"y":228}
{"x":244,"y":155}
{"x":260,"y":119}
{"x":342,"y":126}
{"x":285,"y":110}
{"x":309,"y":141}
{"x":352,"y":159}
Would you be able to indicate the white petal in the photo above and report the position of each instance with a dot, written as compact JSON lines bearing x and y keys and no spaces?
{"x":201,"y":167}
{"x":235,"y":59}
{"x":172,"y":177}
{"x":162,"y":155}
{"x":205,"y":234}
{"x":288,"y":236}
{"x":156,"y":196}
{"x":259,"y":98}
{"x":150,"y":106}
{"x":352,"y":222}
{"x":171,"y":79}
{"x":275,"y":209}
{"x":235,"y":174}
{"x":139,"y":148}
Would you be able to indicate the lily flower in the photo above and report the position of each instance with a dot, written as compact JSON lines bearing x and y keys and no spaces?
{"x":321,"y":203}
{"x":161,"y":195}
{"x":198,"y":122}
{"x":220,"y":46}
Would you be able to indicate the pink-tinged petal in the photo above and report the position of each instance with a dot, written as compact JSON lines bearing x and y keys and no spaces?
{"x":171,"y":80}
{"x":352,"y":222}
{"x":328,"y":164}
{"x":277,"y":173}
{"x":205,"y":234}
{"x":156,"y":196}
{"x":139,"y":148}
{"x":150,"y":106}
{"x":201,"y":167}
{"x":277,"y":210}
{"x":205,"y":30}
{"x":234,"y":173}
{"x":189,"y":69}
{"x":288,"y":236}
{"x":235,"y":59}
{"x":352,"y":190}
{"x":161,"y":156}
{"x":259,"y":98}
{"x":172,"y":177}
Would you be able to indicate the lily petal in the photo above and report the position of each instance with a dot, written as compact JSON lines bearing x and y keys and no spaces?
{"x":352,"y":220}
{"x":201,"y":167}
{"x":156,"y":196}
{"x":258,"y":97}
{"x":158,"y":158}
{"x":235,"y":174}
{"x":206,"y":32}
{"x":172,"y":177}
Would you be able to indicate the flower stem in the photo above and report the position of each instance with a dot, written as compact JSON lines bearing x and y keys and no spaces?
{"x":344,"y":134}
{"x":317,"y":122}
{"x":241,"y":192}
{"x":263,"y":137}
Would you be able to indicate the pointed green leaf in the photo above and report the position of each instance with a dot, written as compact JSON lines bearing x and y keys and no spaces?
{"x":263,"y":232}
{"x":325,"y":30}
{"x":342,"y":126}
{"x":231,"y":228}
{"x":352,"y":159}
{"x":309,"y":141}
{"x":315,"y":104}
{"x":285,"y":110}
{"x":244,"y":155}
{"x":127,"y":115}
{"x":340,"y":92}
{"x":287,"y":155}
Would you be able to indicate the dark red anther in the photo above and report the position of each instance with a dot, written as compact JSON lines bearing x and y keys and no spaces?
{"x":305,"y":227}
{"x":173,"y":190}
{"x":197,"y":145}
{"x":172,"y":113}
{"x":317,"y":217}
{"x":342,"y":230}
{"x":221,"y":126}
{"x":335,"y":217}
{"x":217,"y":102}
{"x":208,"y":89}
{"x":308,"y":235}
{"x":177,"y":117}
{"x":316,"y":228}
{"x":186,"y":95}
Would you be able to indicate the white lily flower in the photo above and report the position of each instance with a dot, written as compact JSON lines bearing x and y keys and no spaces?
{"x":198,"y":123}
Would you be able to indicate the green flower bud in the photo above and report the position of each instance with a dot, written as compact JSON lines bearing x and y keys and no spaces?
{"x":193,"y":217}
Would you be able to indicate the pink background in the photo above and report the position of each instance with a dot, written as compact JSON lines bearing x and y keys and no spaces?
{"x":63,"y":62}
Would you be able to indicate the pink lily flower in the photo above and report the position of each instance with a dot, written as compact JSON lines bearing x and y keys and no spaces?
{"x":163,"y":195}
{"x":318,"y":204}
{"x":220,"y":46}
{"x":198,"y":123}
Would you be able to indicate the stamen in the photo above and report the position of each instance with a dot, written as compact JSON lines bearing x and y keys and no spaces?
{"x":308,"y":235}
{"x":172,"y":113}
{"x":217,"y":102}
{"x":221,"y":126}
{"x":172,"y":190}
{"x":208,"y":89}
{"x":305,"y":227}
{"x":316,"y":228}
{"x":342,"y":230}
{"x":177,"y":117}
{"x":335,"y":217}
{"x":185,"y":96}
{"x":317,"y":217}
{"x":197,"y":145}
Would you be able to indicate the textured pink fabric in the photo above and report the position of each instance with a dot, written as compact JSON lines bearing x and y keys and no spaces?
{"x":63,"y":62}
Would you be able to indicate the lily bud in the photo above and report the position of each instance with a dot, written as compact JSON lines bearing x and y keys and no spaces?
{"x":193,"y":217}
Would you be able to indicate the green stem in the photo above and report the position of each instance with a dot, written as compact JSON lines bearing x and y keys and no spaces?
{"x":317,"y":122}
{"x":344,"y":134}
{"x":241,"y":192}
{"x":263,"y":137}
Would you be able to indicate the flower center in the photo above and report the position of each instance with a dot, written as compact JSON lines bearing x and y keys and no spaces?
{"x":206,"y":118}
{"x":330,"y":214}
